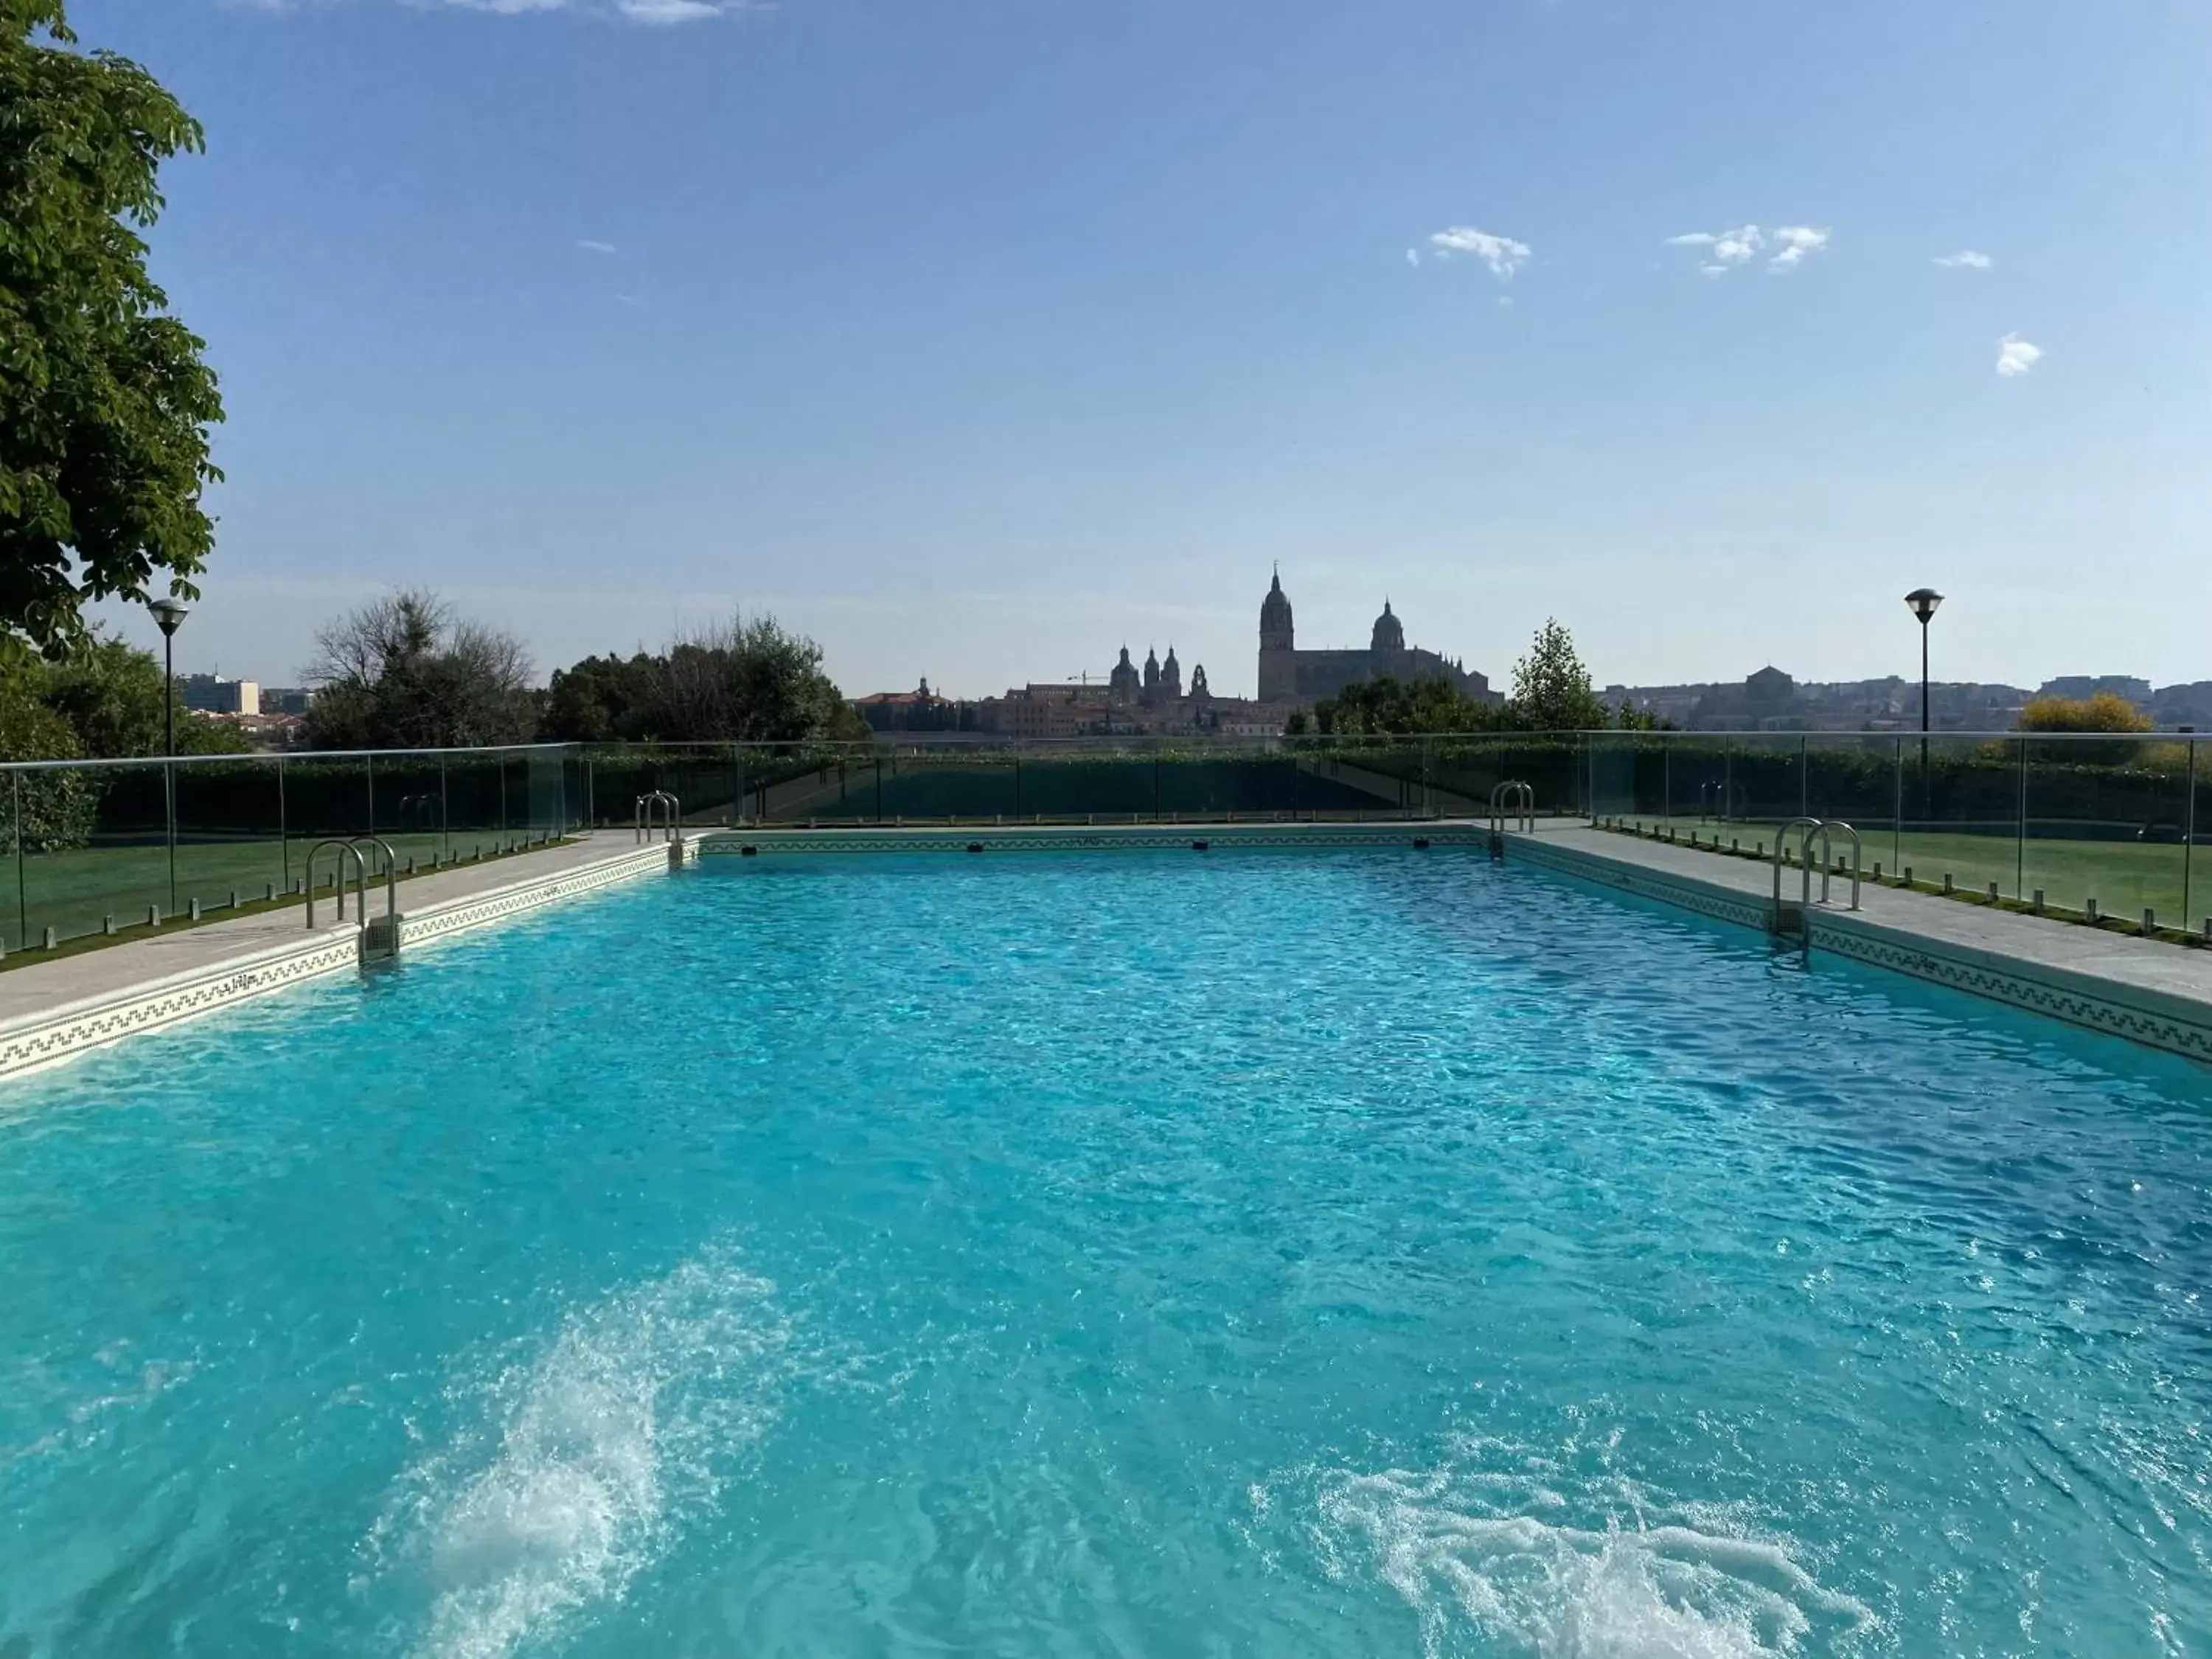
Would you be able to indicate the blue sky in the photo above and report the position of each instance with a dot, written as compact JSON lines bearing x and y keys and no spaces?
{"x":976,"y":337}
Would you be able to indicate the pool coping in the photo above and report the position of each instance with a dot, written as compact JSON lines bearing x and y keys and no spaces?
{"x":256,"y":956}
{"x":2146,"y":991}
{"x":1077,"y":838}
{"x":2141,"y":990}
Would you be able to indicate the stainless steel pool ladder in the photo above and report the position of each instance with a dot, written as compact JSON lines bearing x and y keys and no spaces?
{"x":671,"y":812}
{"x":1825,"y":829}
{"x":383,"y":942}
{"x":1516,"y":799}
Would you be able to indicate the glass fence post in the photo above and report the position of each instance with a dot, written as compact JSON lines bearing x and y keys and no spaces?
{"x":2188,"y":837}
{"x":502,"y":794}
{"x":22,"y":901}
{"x":284,"y":827}
{"x":169,"y":805}
{"x":1667,"y":782}
{"x":368,"y":769}
{"x":445,"y":813}
{"x":2019,"y":831}
{"x":1804,"y":779}
{"x":1897,"y":812}
{"x":1018,"y":786}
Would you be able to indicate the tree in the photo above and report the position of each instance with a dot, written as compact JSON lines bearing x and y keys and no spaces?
{"x":404,"y":672}
{"x":104,"y":700}
{"x":104,"y":404}
{"x":115,"y":695}
{"x":745,"y":680}
{"x":1388,"y":704}
{"x":592,"y":701}
{"x":2106,"y":712}
{"x":1551,"y":690}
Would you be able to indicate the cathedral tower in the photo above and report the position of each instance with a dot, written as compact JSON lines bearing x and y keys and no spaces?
{"x":1278,"y":668}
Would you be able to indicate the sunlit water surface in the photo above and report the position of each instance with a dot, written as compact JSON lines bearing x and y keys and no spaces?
{"x":1373,"y":1253}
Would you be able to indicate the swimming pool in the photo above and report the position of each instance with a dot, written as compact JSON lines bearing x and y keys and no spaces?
{"x":1366,"y":1252}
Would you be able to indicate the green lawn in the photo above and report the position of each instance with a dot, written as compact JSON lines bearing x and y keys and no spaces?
{"x":2123,"y":877}
{"x":72,"y":892}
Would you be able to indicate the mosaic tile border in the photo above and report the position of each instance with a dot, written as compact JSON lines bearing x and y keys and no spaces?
{"x":1683,"y":892}
{"x":2160,"y":1021}
{"x":48,"y":1039}
{"x":1164,"y":838}
{"x":68,"y":1032}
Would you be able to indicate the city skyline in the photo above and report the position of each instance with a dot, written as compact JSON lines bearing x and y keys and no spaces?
{"x":1231,"y":668}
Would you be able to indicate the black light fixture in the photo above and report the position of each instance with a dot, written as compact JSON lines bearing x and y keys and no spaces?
{"x":1923,"y":601}
{"x":169,"y":615}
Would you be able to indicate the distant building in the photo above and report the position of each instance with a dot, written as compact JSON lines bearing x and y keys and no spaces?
{"x":2188,"y":705}
{"x":286,"y":700}
{"x":2079,"y":686}
{"x":1290,"y":675}
{"x":211,"y":695}
{"x":919,"y":710}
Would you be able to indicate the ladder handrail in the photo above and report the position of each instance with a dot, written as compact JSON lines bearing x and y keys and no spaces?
{"x":1810,"y":827}
{"x":1824,"y":828}
{"x":390,"y":875}
{"x":1859,"y":855}
{"x":674,"y":819}
{"x":345,"y":849}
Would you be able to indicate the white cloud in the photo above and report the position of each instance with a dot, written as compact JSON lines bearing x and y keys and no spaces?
{"x":2016,"y":356}
{"x":1726,"y":248}
{"x":669,"y":11}
{"x":1501,"y":254}
{"x":1965,"y":260}
{"x":1413,"y":256}
{"x":591,"y":247}
{"x":636,"y":12}
{"x":1796,"y":243}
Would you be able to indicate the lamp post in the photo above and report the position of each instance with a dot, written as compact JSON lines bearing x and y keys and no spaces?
{"x":169,"y":615}
{"x":1923,"y":601}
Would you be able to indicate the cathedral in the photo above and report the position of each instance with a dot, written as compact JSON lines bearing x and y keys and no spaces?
{"x":1290,"y":675}
{"x":1153,"y":698}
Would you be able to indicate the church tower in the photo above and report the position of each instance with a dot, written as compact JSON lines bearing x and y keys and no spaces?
{"x":1389,"y":637}
{"x":1278,"y":668}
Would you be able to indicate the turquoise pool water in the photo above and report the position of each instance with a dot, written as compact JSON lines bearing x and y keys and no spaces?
{"x":1354,"y":1254}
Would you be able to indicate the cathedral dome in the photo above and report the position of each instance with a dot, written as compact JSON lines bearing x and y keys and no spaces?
{"x":1390,"y":632}
{"x":1275,"y":609}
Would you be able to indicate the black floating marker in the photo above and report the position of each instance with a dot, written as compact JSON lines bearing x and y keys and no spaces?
{"x":1198,"y":846}
{"x":975,"y":845}
{"x":1421,"y":844}
{"x":749,"y":852}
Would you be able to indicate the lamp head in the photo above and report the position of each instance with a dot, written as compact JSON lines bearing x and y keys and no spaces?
{"x":1923,"y":601}
{"x":168,"y":614}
